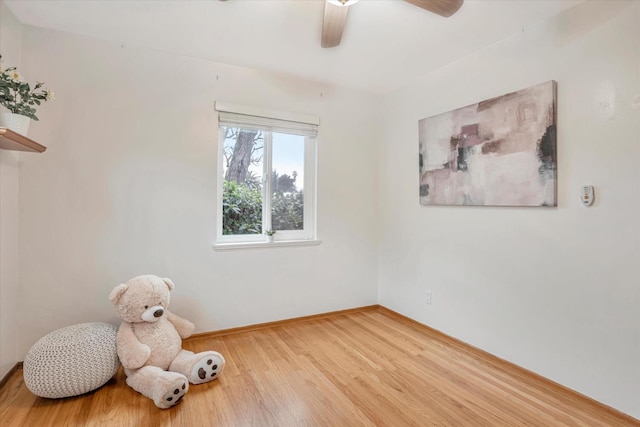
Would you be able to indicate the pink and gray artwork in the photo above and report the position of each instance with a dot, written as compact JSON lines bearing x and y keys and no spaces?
{"x":499,"y":152}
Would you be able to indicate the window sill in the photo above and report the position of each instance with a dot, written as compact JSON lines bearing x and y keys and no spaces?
{"x":261,"y":245}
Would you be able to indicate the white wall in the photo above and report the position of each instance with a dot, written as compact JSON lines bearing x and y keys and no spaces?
{"x":10,"y":36}
{"x":555,"y":290}
{"x":128,"y":183}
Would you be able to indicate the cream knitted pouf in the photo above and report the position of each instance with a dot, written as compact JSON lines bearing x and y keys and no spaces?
{"x":72,"y":360}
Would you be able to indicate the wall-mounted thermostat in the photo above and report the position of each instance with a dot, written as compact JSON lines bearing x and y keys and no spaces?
{"x":587,"y":195}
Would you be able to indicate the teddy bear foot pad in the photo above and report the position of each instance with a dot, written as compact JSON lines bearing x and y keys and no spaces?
{"x":208,"y":368}
{"x":175,"y":392}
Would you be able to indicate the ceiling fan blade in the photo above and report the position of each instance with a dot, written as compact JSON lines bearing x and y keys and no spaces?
{"x":333,"y":24}
{"x":444,"y":8}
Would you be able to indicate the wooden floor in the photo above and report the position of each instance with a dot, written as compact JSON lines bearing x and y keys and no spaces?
{"x":363,"y":368}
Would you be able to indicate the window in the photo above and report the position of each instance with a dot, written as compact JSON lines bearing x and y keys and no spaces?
{"x":266,"y":175}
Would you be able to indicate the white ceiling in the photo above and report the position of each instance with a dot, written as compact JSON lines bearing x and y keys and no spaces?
{"x":386,"y":43}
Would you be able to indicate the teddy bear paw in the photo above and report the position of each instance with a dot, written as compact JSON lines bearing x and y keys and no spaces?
{"x":208,"y":368}
{"x":174,"y":392}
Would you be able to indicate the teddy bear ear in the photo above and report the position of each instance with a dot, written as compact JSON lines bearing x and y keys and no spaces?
{"x":169,"y":283}
{"x":117,"y":292}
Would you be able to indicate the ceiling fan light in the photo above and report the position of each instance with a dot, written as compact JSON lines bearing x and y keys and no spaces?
{"x":342,"y":2}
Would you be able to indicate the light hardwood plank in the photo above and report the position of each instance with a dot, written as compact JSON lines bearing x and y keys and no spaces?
{"x":369,"y":367}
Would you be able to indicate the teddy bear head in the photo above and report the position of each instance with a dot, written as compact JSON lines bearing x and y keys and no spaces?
{"x":142,"y":299}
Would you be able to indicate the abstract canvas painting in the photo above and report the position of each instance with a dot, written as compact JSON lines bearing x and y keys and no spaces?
{"x":498,"y":152}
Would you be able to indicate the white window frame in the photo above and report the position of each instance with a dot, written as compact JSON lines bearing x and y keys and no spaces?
{"x":279,"y":122}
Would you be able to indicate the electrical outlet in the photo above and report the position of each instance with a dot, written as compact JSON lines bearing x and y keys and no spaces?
{"x":428,"y":298}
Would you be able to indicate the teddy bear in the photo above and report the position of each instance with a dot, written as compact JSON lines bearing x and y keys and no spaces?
{"x":149,"y":343}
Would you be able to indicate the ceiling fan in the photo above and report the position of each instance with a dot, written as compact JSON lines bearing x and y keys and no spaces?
{"x":335,"y":15}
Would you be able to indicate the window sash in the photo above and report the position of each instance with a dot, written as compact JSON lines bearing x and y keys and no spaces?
{"x":309,"y":226}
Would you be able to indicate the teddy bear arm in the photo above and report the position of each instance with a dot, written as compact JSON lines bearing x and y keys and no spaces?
{"x":183,"y":326}
{"x":132,"y":353}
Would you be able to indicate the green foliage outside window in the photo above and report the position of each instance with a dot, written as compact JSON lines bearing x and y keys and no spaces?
{"x":242,"y":206}
{"x":287,"y":210}
{"x":241,"y":209}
